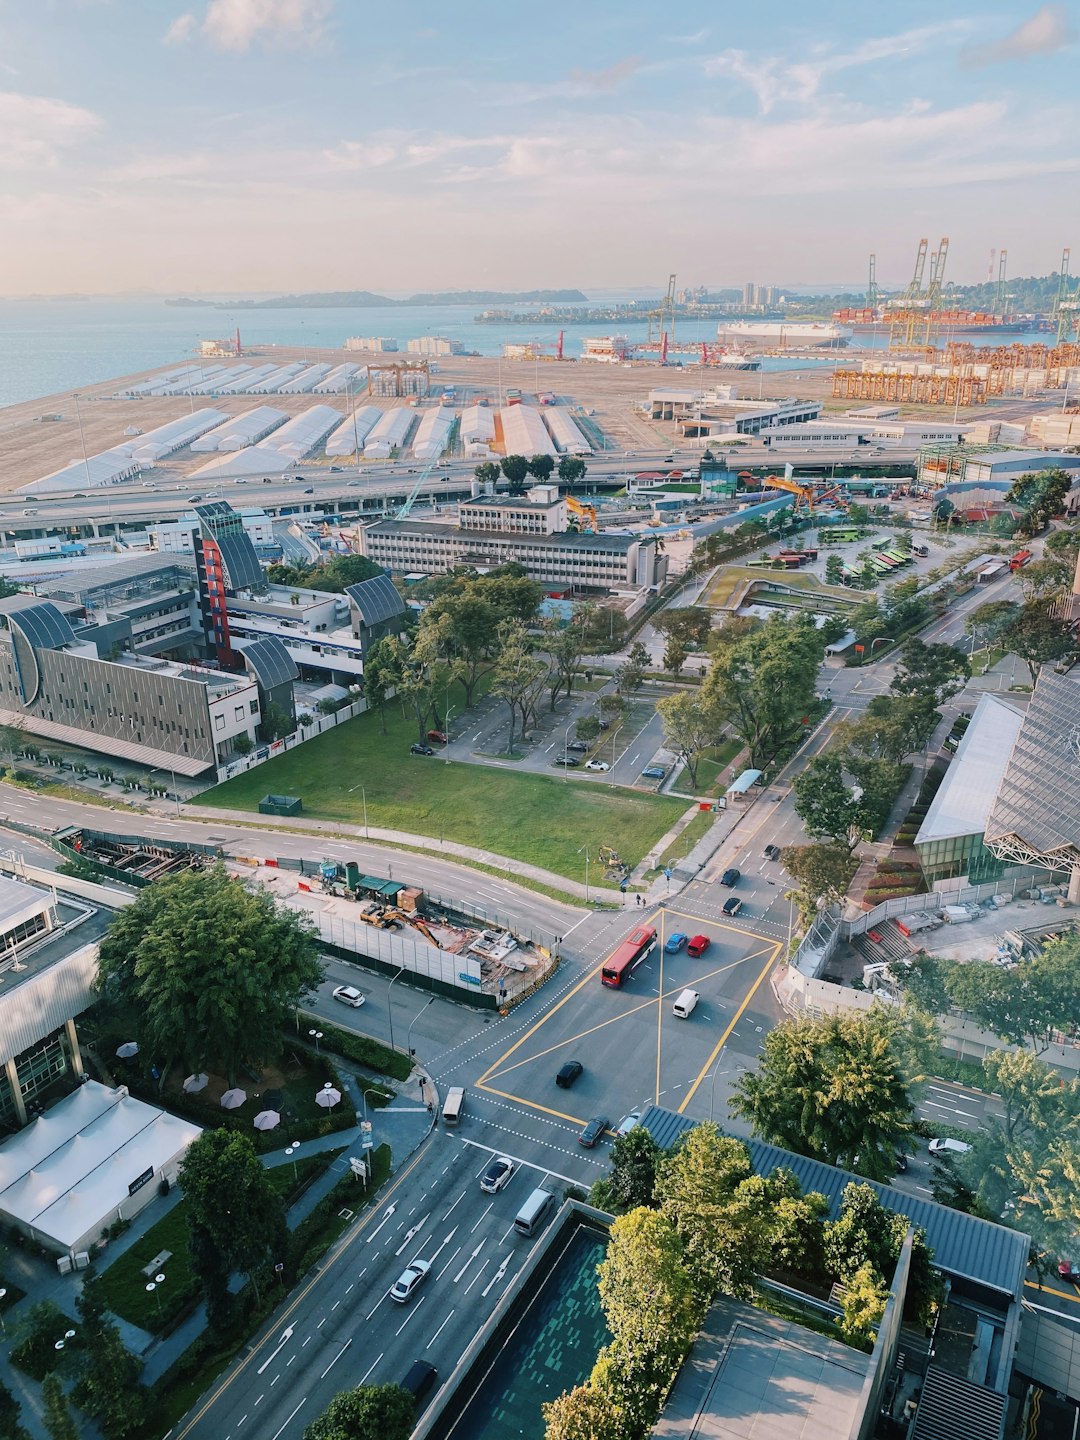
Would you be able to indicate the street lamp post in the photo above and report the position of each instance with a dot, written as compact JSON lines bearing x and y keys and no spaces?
{"x":316,"y":1035}
{"x":712,"y":1087}
{"x":613,"y":734}
{"x":879,"y":640}
{"x":369,"y":1090}
{"x":363,"y":794}
{"x":408,"y":1039}
{"x":446,"y":732}
{"x":389,"y":1003}
{"x":565,"y":751}
{"x":291,"y":1150}
{"x":586,"y":850}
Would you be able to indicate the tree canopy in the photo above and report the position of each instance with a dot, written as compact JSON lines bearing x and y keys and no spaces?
{"x":1041,"y":496}
{"x":822,"y":874}
{"x":834,"y":1089}
{"x":1038,"y":637}
{"x":333,"y":577}
{"x":370,"y":1412}
{"x":930,"y":672}
{"x":208,"y":970}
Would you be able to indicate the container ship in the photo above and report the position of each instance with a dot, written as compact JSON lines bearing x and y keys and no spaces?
{"x":784,"y":332}
{"x":956,"y":322}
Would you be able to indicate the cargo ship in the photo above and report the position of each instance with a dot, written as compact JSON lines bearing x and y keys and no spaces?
{"x":956,"y":322}
{"x":784,"y":332}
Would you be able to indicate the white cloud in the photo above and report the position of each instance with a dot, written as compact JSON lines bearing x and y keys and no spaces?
{"x":180,"y":29}
{"x":236,"y":24}
{"x":1047,"y":31}
{"x":37,"y":128}
{"x":607,"y":79}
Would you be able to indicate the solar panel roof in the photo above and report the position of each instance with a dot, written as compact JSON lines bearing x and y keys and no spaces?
{"x":270,"y":662}
{"x":376,"y":599}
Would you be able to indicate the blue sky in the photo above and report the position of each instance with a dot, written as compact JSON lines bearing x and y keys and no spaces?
{"x":253,"y":145}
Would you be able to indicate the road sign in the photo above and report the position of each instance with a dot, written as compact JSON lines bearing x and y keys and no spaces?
{"x":366,"y":1141}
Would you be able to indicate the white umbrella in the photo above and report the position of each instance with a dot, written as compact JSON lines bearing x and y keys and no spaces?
{"x":127,"y":1050}
{"x":267,"y":1120}
{"x":233,"y":1099}
{"x":194,"y":1083}
{"x":328,"y":1098}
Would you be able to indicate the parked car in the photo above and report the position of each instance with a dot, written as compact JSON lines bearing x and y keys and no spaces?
{"x":421,"y":750}
{"x":438,"y":736}
{"x":348,"y":995}
{"x":901,"y":1162}
{"x":628,"y":1123}
{"x":570,"y":762}
{"x":948,"y":1147}
{"x":732,"y":905}
{"x":593,"y":1131}
{"x":675,"y":942}
{"x":730,"y":876}
{"x":597,"y":765}
{"x":568,"y":1074}
{"x":580,"y":746}
{"x":698,"y":945}
{"x":771,"y":852}
{"x":410,"y":1279}
{"x":1068,"y":1271}
{"x":496,"y":1175}
{"x":653,"y":772}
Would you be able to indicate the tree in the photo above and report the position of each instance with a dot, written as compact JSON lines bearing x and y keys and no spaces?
{"x":587,"y":728}
{"x":634,"y":1160}
{"x":11,"y":739}
{"x":370,"y":1412}
{"x":487,"y":472}
{"x":235,"y":1217}
{"x":691,"y":725}
{"x":276,"y":722}
{"x":864,"y":1299}
{"x":987,"y":622}
{"x":572,"y":469}
{"x":612,"y":706}
{"x":925,"y":980}
{"x":7,"y":589}
{"x":675,"y":654}
{"x":1026,"y":1006}
{"x":690,"y":624}
{"x":826,"y":804}
{"x":834,"y":570}
{"x":765,"y":683}
{"x":695,"y":1190}
{"x":822,"y":874}
{"x":865,"y":1233}
{"x":516,"y":470}
{"x":1041,"y":496}
{"x":944,"y":511}
{"x":10,"y":1429}
{"x":792,"y":1222}
{"x":1035,"y":1100}
{"x":518,"y":672}
{"x":541,"y":466}
{"x":1045,"y":579}
{"x":208,"y":970}
{"x":57,"y":1416}
{"x":579,"y":1414}
{"x":566,"y":646}
{"x":605,"y":630}
{"x":467,"y":622}
{"x":933,"y":672}
{"x":631,"y":672}
{"x":891,"y":727}
{"x":1038,"y":637}
{"x":833,"y":1089}
{"x":379,"y":678}
{"x":108,"y":1390}
{"x":331,"y":578}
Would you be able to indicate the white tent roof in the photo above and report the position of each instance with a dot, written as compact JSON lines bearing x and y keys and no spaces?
{"x":66,"y":1172}
{"x":966,"y":796}
{"x":100,"y":469}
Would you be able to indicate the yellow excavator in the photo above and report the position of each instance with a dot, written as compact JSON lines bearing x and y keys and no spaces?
{"x":585,"y":515}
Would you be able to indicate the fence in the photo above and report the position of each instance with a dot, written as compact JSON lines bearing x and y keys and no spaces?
{"x":241,"y":764}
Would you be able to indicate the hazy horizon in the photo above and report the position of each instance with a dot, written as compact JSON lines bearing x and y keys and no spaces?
{"x":262,"y":147}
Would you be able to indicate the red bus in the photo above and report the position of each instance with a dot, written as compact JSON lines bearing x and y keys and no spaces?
{"x":1020,"y":559}
{"x":624,"y":961}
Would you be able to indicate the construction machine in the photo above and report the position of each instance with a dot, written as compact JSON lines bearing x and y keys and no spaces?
{"x":585,"y":515}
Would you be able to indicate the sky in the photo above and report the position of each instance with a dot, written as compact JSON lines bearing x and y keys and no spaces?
{"x":241,"y":146}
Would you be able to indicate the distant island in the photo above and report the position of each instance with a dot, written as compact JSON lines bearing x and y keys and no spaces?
{"x":365,"y":299}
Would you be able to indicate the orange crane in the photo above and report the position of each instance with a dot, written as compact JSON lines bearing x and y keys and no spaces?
{"x":586,"y":515}
{"x":804,"y":494}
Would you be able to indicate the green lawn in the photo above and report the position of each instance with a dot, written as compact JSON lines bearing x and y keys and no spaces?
{"x":539,"y":819}
{"x":712,"y":769}
{"x":683,"y":843}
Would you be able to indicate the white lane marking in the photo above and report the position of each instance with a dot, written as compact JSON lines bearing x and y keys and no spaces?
{"x":390,"y":1209}
{"x":483,"y":1213}
{"x":449,"y":1262}
{"x":286,"y":1336}
{"x":410,"y":1315}
{"x":336,"y":1358}
{"x":289,"y":1421}
{"x":453,"y":1207}
{"x":476,"y":1277}
{"x":468,"y":1262}
{"x":438,"y":1332}
{"x":321,"y":1323}
{"x":307,"y":1341}
{"x":258,"y":1402}
{"x":374,"y":1363}
{"x":496,"y":1277}
{"x":412,"y":1234}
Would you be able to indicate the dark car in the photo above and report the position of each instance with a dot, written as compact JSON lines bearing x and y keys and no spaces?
{"x":421,"y":750}
{"x":730,"y":876}
{"x":571,"y":762}
{"x":593,"y":1131}
{"x":568,"y":1074}
{"x":653,"y":772}
{"x":771,"y":852}
{"x":310,"y":490}
{"x":901,"y":1162}
{"x":579,"y":745}
{"x":419,"y":1379}
{"x":732,"y":906}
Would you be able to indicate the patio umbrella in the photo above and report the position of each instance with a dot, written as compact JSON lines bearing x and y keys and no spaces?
{"x":328,"y":1098}
{"x":127,"y":1050}
{"x":194,"y":1083}
{"x":233,"y":1099}
{"x":267,"y":1120}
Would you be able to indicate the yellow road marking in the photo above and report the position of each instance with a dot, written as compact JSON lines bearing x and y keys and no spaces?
{"x":734,"y":1021}
{"x":369,"y":1215}
{"x":1073,"y":1295}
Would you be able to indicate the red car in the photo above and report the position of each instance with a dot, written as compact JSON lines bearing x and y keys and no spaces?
{"x":1068,"y":1271}
{"x":437,"y":735}
{"x":698,"y":945}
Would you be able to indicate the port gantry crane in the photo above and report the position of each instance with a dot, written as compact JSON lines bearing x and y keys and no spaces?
{"x":1066,"y":310}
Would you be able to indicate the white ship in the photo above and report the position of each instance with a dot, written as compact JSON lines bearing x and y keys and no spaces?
{"x":784,"y":332}
{"x":734,"y":360}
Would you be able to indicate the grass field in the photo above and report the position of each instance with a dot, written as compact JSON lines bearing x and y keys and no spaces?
{"x":712,"y":769}
{"x":539,"y":819}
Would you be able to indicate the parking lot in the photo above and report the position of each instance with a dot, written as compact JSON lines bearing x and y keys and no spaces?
{"x":632,"y":1047}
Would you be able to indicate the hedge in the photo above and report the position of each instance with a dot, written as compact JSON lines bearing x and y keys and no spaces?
{"x":362,"y":1049}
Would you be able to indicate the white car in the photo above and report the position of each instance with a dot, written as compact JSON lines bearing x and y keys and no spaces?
{"x":628,"y":1123}
{"x":597,"y":765}
{"x":410,"y":1278}
{"x":497,"y":1175}
{"x":348,"y":996}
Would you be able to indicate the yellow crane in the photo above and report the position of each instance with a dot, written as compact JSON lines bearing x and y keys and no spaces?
{"x":586,"y":514}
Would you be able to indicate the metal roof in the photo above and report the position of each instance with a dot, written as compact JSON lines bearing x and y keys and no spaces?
{"x":567,"y":540}
{"x":1039,"y":798}
{"x":963,"y":1246}
{"x":269,"y":662}
{"x":241,"y":562}
{"x":963,"y":802}
{"x":376,"y":599}
{"x":41,"y":623}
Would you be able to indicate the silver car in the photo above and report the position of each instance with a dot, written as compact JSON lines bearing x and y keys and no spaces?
{"x":410,"y":1279}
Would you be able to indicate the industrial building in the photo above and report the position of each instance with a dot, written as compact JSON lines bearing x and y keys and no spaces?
{"x":378,"y":343}
{"x":538,"y":512}
{"x":435,"y":345}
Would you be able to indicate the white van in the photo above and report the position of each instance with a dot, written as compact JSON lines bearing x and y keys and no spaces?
{"x":529,"y":1218}
{"x":686,"y":1004}
{"x":948,"y":1147}
{"x":453,"y":1105}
